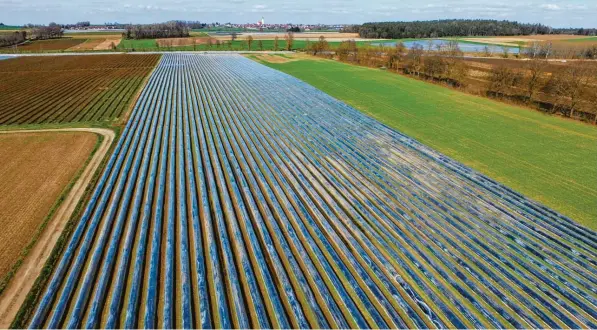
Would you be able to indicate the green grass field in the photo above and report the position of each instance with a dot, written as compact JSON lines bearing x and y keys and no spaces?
{"x":141,"y":44}
{"x":237,"y":45}
{"x":549,"y":159}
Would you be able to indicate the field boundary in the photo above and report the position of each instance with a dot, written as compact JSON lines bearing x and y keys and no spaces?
{"x":30,"y":266}
{"x":135,"y":98}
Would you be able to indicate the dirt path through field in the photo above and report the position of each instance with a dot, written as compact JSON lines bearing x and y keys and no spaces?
{"x":19,"y":287}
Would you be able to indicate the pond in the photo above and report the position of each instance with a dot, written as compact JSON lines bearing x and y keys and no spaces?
{"x":443,"y":44}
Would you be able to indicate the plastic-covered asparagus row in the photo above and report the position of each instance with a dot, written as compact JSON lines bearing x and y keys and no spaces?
{"x":239,"y":196}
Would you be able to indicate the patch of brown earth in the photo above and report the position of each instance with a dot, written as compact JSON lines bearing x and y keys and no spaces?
{"x":108,"y":44}
{"x":87,"y":45}
{"x":34,"y":171}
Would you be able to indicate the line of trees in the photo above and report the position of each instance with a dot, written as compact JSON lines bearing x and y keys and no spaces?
{"x":568,"y":89}
{"x":194,"y":25}
{"x":50,"y":31}
{"x":549,"y":49}
{"x":447,"y":28}
{"x":37,"y":32}
{"x":173,"y":29}
{"x":11,"y":39}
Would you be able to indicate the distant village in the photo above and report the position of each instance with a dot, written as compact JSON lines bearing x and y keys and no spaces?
{"x":259,"y":25}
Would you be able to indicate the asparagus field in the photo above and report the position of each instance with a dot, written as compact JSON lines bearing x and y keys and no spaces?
{"x":239,"y":196}
{"x":66,"y":89}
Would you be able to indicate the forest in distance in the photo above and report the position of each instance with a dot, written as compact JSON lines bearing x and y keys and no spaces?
{"x":458,"y":28}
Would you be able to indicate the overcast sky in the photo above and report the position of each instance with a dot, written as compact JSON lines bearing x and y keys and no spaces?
{"x":562,"y":13}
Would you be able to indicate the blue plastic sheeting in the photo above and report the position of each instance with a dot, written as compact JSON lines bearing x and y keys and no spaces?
{"x":239,"y":196}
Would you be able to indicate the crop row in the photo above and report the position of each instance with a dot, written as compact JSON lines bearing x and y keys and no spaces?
{"x":239,"y":196}
{"x":63,"y":93}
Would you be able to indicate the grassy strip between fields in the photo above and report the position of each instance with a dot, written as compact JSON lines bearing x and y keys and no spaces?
{"x":26,"y":310}
{"x":239,"y":44}
{"x":6,"y":279}
{"x":547,"y":158}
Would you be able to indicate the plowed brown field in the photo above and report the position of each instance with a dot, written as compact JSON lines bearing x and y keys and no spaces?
{"x":34,"y":171}
{"x":89,"y":44}
{"x":50,"y":45}
{"x":61,"y":89}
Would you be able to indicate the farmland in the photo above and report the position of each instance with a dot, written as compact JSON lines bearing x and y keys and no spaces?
{"x":35,"y":170}
{"x":38,"y":46}
{"x":546,"y":158}
{"x":239,"y":196}
{"x":67,"y":89}
{"x":96,"y":44}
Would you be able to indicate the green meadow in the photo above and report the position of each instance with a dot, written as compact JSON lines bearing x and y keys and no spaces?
{"x":549,"y":159}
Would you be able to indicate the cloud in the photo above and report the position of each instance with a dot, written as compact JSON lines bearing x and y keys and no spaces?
{"x":550,"y":6}
{"x":262,"y":9}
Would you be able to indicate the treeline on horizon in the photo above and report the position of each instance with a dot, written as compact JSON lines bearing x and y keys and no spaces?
{"x":457,"y":28}
{"x":172,"y":29}
{"x":39,"y":32}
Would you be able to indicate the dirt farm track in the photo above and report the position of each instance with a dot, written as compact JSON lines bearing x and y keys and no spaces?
{"x":239,"y":196}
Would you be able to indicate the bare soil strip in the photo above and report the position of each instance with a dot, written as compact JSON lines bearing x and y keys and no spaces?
{"x":90,"y":44}
{"x":18,"y":288}
{"x":107,"y":44}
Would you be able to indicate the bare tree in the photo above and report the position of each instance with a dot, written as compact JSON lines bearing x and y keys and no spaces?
{"x":289,"y":37}
{"x":457,"y":72}
{"x":434,"y":67}
{"x":454,"y":48}
{"x":502,"y":79}
{"x":400,"y":48}
{"x":505,"y":52}
{"x":260,"y":44}
{"x":346,"y":50}
{"x":429,"y":45}
{"x":535,"y":69}
{"x":415,"y":59}
{"x":276,"y":43}
{"x":487,"y":51}
{"x":318,"y":47}
{"x":233,"y":36}
{"x":570,"y":86}
{"x":249,"y":41}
